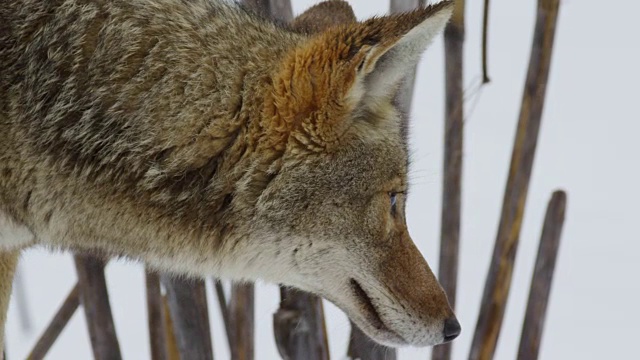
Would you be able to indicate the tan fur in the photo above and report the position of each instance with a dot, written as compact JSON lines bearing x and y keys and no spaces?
{"x":204,"y":140}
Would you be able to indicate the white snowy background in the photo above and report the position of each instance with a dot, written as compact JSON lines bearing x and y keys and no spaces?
{"x":588,"y":146}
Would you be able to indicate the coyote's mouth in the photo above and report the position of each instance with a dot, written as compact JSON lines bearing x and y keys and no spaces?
{"x":369,"y":309}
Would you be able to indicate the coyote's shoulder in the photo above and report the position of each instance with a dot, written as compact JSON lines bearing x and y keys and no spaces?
{"x":202,"y":139}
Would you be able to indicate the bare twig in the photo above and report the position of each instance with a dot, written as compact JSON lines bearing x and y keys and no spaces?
{"x":238,"y":318}
{"x":485,"y":35}
{"x":190,"y":317}
{"x":452,"y":180}
{"x":57,"y":324}
{"x":8,"y":263}
{"x":542,"y":277}
{"x":498,"y":281}
{"x":241,"y":316}
{"x":172,"y":347}
{"x":299,"y":326}
{"x":224,"y":310}
{"x":261,"y":7}
{"x":22,"y":303}
{"x":95,"y":302}
{"x":281,"y":10}
{"x":157,"y":332}
{"x":400,"y":6}
{"x":362,"y":347}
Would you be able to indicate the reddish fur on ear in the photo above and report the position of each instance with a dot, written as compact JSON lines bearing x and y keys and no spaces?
{"x":316,"y":87}
{"x":310,"y":95}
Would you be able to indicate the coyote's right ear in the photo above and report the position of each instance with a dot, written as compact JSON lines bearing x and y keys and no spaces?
{"x":324,"y":15}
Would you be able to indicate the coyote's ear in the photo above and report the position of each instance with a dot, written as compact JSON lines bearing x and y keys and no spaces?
{"x":399,"y":41}
{"x":319,"y":84}
{"x":324,"y":15}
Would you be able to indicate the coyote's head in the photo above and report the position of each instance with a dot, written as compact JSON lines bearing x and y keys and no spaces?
{"x":335,"y":210}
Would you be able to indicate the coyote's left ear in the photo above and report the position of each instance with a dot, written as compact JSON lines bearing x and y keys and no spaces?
{"x":398,"y":42}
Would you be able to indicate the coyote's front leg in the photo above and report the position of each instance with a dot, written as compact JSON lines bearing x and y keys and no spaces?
{"x":8,"y":262}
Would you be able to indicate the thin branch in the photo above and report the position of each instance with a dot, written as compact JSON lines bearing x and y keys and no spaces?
{"x":452,"y":179}
{"x":281,"y":10}
{"x":190,"y":316}
{"x":169,"y":334}
{"x":22,"y":303}
{"x":224,"y":310}
{"x":261,"y":7}
{"x":542,"y":277}
{"x":95,"y":302}
{"x":498,"y":281}
{"x":57,"y":324}
{"x":299,"y":326}
{"x":8,"y":264}
{"x":155,"y":315}
{"x":241,"y":316}
{"x":485,"y":36}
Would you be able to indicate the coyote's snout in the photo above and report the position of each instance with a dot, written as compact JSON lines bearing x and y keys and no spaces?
{"x":204,"y":140}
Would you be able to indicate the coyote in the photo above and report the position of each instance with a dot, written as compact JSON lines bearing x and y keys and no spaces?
{"x":201,"y":139}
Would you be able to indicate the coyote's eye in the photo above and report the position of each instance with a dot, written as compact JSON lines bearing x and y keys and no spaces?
{"x":394,"y":200}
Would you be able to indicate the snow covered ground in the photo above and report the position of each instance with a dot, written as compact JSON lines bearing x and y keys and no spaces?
{"x":588,"y":146}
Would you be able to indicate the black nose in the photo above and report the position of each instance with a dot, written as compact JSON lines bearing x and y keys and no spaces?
{"x":451,"y":329}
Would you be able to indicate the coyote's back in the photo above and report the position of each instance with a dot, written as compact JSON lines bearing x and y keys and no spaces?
{"x":202,"y":139}
{"x":142,"y":93}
